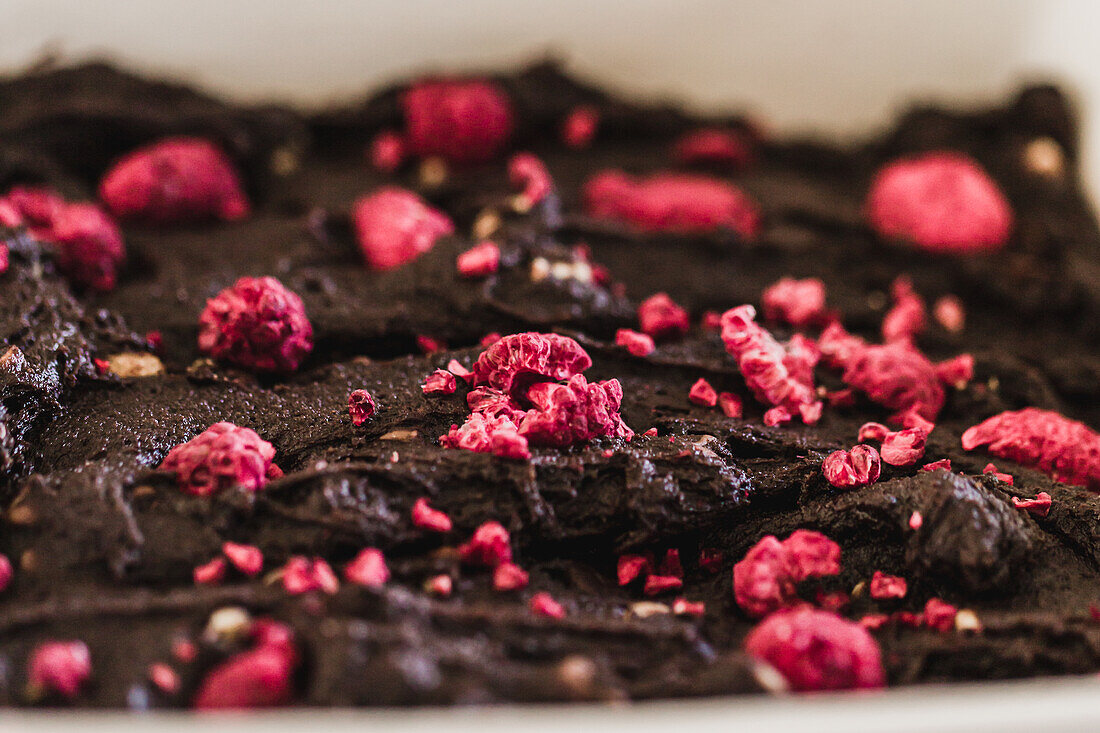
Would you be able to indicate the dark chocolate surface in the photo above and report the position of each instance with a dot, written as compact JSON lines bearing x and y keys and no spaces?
{"x":104,"y":544}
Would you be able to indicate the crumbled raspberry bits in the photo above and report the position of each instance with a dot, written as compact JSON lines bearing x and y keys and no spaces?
{"x":394,"y":226}
{"x":636,"y":344}
{"x":660,"y":317}
{"x":527,"y":173}
{"x":580,"y":126}
{"x":766,"y":578}
{"x":800,"y":303}
{"x":942,"y":202}
{"x":490,"y":546}
{"x":1038,"y":507}
{"x":712,"y":146}
{"x":703,"y":394}
{"x":368,"y":569}
{"x":440,"y":382}
{"x":259,"y":677}
{"x":859,"y":466}
{"x":460,"y":120}
{"x":361,"y":406}
{"x":425,"y":517}
{"x":883,"y":586}
{"x":481,"y":260}
{"x":303,"y":575}
{"x":256,"y":324}
{"x":543,"y":604}
{"x":58,"y":667}
{"x":175,"y":180}
{"x":222,"y":457}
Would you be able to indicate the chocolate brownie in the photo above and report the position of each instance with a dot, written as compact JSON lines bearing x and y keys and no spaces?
{"x":505,"y":388}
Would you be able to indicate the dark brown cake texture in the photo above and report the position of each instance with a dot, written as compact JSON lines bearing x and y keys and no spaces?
{"x":504,"y":388}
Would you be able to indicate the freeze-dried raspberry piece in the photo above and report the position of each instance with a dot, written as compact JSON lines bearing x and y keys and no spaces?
{"x":638,"y":344}
{"x":259,"y":677}
{"x":956,"y":371}
{"x":939,"y":614}
{"x":246,"y":558}
{"x":303,"y":575}
{"x":911,"y":418}
{"x":1064,"y":449}
{"x":579,"y":127}
{"x":575,"y":412}
{"x":944,"y":463}
{"x":221,"y":457}
{"x":175,"y":180}
{"x":684,"y":607}
{"x":433,"y":520}
{"x":514,"y":363}
{"x":490,"y":545}
{"x":256,"y":324}
{"x":777,"y":375}
{"x":885,"y":586}
{"x":660,"y":317}
{"x":394,"y":226}
{"x":509,"y":576}
{"x":88,"y":243}
{"x":657,"y":584}
{"x":6,"y":572}
{"x":361,"y":406}
{"x":368,"y":569}
{"x":440,"y":382}
{"x":671,"y":202}
{"x":460,"y":120}
{"x":543,"y":604}
{"x":906,"y":318}
{"x":387,"y":151}
{"x":483,"y":434}
{"x":481,"y":260}
{"x":872,"y":431}
{"x":942,"y":202}
{"x":817,"y":650}
{"x":631,"y":567}
{"x":527,"y":173}
{"x":1039,"y":506}
{"x":800,"y":303}
{"x":895,"y":375}
{"x":702,"y":393}
{"x":766,"y":578}
{"x":950,"y":313}
{"x":859,"y":466}
{"x":712,"y":146}
{"x":730,"y":404}
{"x":904,"y":447}
{"x":210,"y":573}
{"x":59,"y":667}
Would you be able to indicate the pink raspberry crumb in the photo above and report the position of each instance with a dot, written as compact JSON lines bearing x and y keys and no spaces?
{"x":859,"y":466}
{"x":637,"y":344}
{"x":175,"y":180}
{"x":425,"y":517}
{"x":221,"y":457}
{"x":460,"y":120}
{"x":730,"y":404}
{"x":957,"y":371}
{"x":660,"y":317}
{"x":59,"y":667}
{"x":211,"y":573}
{"x":943,"y":202}
{"x":256,"y":324}
{"x":490,"y":545}
{"x":907,"y":317}
{"x":950,"y":313}
{"x":481,"y":260}
{"x":543,"y":604}
{"x":684,"y":607}
{"x":440,"y":382}
{"x":800,"y":303}
{"x":712,"y":146}
{"x":657,"y":584}
{"x":509,"y":576}
{"x":361,"y":406}
{"x":1039,"y":506}
{"x":387,"y":151}
{"x":368,"y":569}
{"x":939,"y":615}
{"x":527,"y":173}
{"x":246,"y":558}
{"x":579,"y":127}
{"x":302,"y":575}
{"x":631,"y":567}
{"x":904,"y":447}
{"x":702,"y":393}
{"x":885,"y":586}
{"x":259,"y":677}
{"x":817,"y":650}
{"x":6,"y":572}
{"x":394,"y":226}
{"x":944,"y":463}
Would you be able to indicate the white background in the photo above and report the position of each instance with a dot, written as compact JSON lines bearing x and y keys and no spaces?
{"x":836,"y":65}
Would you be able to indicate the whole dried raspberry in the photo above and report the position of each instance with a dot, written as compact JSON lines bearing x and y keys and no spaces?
{"x":481,"y":260}
{"x":1039,"y":506}
{"x":638,"y":344}
{"x":906,"y":319}
{"x":904,"y":447}
{"x":660,"y":317}
{"x":387,"y":151}
{"x":246,"y":558}
{"x":256,"y":324}
{"x":712,"y":146}
{"x":174,"y":180}
{"x":509,"y":576}
{"x":514,"y":363}
{"x":433,"y":520}
{"x":260,"y":677}
{"x":671,"y":202}
{"x":702,"y":393}
{"x":543,"y":604}
{"x":1064,"y":449}
{"x":59,"y":667}
{"x":221,"y":457}
{"x":394,"y":226}
{"x":800,"y":303}
{"x":730,"y":404}
{"x":579,"y":127}
{"x":368,"y":569}
{"x":942,"y":202}
{"x":490,"y":546}
{"x":885,"y":586}
{"x":778,"y":375}
{"x":484,"y":434}
{"x":859,"y":466}
{"x":361,"y":406}
{"x":575,"y":412}
{"x":766,"y":578}
{"x":89,"y":244}
{"x":529,"y":174}
{"x":462,"y":121}
{"x":817,"y":650}
{"x":440,"y":382}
